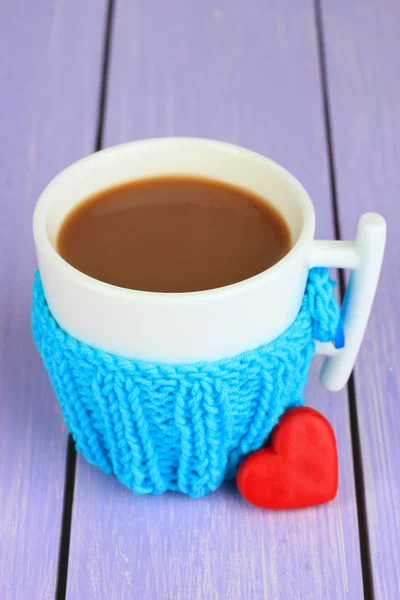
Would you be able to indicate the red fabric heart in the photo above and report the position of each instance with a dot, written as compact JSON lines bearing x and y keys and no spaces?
{"x":298,"y":469}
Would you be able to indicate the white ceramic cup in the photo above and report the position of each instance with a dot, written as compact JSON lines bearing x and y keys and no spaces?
{"x":213,"y":324}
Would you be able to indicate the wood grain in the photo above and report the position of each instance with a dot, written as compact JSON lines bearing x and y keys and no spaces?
{"x":246,"y":73}
{"x":362,"y":49}
{"x":49,"y":81}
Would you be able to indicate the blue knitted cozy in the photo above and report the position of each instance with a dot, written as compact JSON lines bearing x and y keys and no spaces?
{"x":162,"y":427}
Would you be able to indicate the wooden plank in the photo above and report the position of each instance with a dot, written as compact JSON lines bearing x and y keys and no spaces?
{"x":49,"y":80}
{"x":249,"y":74}
{"x":362,"y":49}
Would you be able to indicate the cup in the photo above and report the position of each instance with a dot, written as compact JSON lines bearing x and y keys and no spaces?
{"x":213,"y":324}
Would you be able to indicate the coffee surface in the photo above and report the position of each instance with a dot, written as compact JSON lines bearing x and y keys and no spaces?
{"x":173,"y":234}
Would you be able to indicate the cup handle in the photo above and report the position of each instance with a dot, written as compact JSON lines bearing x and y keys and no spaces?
{"x":364,"y":256}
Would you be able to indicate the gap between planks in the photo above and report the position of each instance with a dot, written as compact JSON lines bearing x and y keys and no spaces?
{"x":70,"y":471}
{"x":354,"y":421}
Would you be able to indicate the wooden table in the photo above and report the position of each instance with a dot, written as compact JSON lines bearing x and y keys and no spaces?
{"x":314,"y":85}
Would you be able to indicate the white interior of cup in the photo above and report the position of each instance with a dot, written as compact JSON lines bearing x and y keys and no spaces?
{"x":175,"y":156}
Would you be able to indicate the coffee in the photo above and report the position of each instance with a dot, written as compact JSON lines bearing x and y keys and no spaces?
{"x":173,"y":234}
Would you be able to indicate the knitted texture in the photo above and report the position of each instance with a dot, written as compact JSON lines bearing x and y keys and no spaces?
{"x":184,"y":427}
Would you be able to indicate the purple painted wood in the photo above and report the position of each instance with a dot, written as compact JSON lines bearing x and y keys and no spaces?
{"x":245,"y":73}
{"x":362,"y":47}
{"x":49,"y":96}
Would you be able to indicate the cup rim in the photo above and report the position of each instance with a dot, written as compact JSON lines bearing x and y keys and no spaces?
{"x":43,"y":242}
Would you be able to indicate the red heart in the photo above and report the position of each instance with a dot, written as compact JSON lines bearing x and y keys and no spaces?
{"x":298,"y":469}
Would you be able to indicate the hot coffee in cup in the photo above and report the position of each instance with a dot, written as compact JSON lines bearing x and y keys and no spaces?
{"x":173,"y":234}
